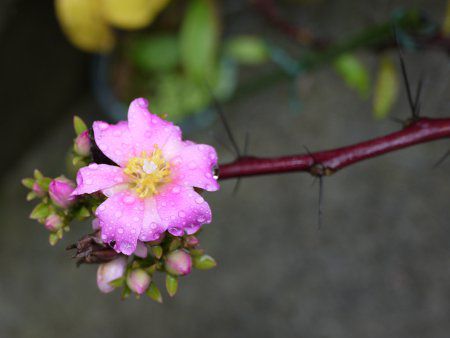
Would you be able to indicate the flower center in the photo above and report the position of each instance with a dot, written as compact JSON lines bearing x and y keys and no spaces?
{"x":148,"y":172}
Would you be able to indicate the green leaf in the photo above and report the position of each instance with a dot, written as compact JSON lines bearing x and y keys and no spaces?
{"x":125,"y":292}
{"x":204,"y":262}
{"x":157,"y":251}
{"x":28,"y":183}
{"x":154,"y":293}
{"x":247,"y":49}
{"x":40,"y":211}
{"x":386,"y":88}
{"x":158,"y":53}
{"x":199,"y":37}
{"x":171,"y":285}
{"x":79,"y":125}
{"x":118,"y":282}
{"x":354,"y":73}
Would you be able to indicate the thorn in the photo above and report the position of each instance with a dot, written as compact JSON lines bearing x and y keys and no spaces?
{"x":238,"y":181}
{"x":442,"y":159}
{"x":221,"y":113}
{"x":320,"y":211}
{"x":408,"y":87}
{"x":417,"y":103}
{"x":221,"y":143}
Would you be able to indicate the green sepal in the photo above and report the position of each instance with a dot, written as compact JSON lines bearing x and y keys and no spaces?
{"x":44,"y":183}
{"x":40,"y":211}
{"x":118,"y":282}
{"x":28,"y":183}
{"x":157,"y":251}
{"x":151,"y":269}
{"x":53,"y":239}
{"x":79,"y":125}
{"x":31,"y":196}
{"x":60,"y":233}
{"x":171,"y":285}
{"x":37,"y":174}
{"x":82,"y":213}
{"x":125,"y":292}
{"x":197,"y":252}
{"x":154,"y":293}
{"x":175,"y":244}
{"x":204,"y":262}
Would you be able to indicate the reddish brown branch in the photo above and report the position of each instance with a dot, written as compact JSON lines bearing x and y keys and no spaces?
{"x":329,"y":161}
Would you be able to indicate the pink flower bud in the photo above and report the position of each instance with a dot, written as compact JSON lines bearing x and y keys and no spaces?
{"x":53,"y":222}
{"x":178,"y":263}
{"x":95,"y":224}
{"x":192,"y":241}
{"x":141,"y":250}
{"x":38,"y":190}
{"x":138,"y":281}
{"x":107,"y":272}
{"x":60,"y":190}
{"x":82,"y":144}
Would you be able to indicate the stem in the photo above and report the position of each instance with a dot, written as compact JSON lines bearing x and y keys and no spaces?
{"x":329,"y":161}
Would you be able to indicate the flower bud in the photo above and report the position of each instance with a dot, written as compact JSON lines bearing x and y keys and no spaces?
{"x":141,"y":250}
{"x":60,"y":190}
{"x":107,"y":272}
{"x":82,"y":144}
{"x":191,"y":241}
{"x":53,"y":222}
{"x":178,"y":263}
{"x":38,"y":190}
{"x":138,"y":281}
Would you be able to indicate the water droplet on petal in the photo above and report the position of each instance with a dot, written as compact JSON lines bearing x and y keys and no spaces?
{"x":176,"y":190}
{"x":199,"y":200}
{"x":128,"y":199}
{"x":120,"y":230}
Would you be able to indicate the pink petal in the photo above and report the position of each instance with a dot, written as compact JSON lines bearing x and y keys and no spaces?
{"x":181,"y":209}
{"x":120,"y":218}
{"x":152,"y":227}
{"x":149,"y":130}
{"x":96,"y":177}
{"x":194,"y":166}
{"x":115,"y":141}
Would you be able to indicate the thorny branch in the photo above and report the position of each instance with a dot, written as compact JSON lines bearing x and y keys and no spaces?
{"x":327,"y":162}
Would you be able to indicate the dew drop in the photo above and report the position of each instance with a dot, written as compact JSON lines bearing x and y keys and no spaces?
{"x":199,"y":200}
{"x":128,"y":199}
{"x":118,"y":214}
{"x":93,"y":165}
{"x":120,"y":231}
{"x":176,"y":190}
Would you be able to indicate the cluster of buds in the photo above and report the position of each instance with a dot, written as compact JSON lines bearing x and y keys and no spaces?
{"x":174,"y":256}
{"x":57,"y":207}
{"x":81,"y":154}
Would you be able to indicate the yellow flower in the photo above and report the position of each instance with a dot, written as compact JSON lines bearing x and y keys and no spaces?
{"x":89,"y":23}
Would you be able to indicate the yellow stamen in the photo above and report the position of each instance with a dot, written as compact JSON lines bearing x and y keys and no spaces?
{"x":148,"y":172}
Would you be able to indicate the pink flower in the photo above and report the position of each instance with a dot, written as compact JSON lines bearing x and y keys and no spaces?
{"x":152,"y":188}
{"x":107,"y":272}
{"x":178,"y":263}
{"x":60,"y":190}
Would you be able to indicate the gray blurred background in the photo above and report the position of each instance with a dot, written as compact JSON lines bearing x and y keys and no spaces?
{"x":379,"y":267}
